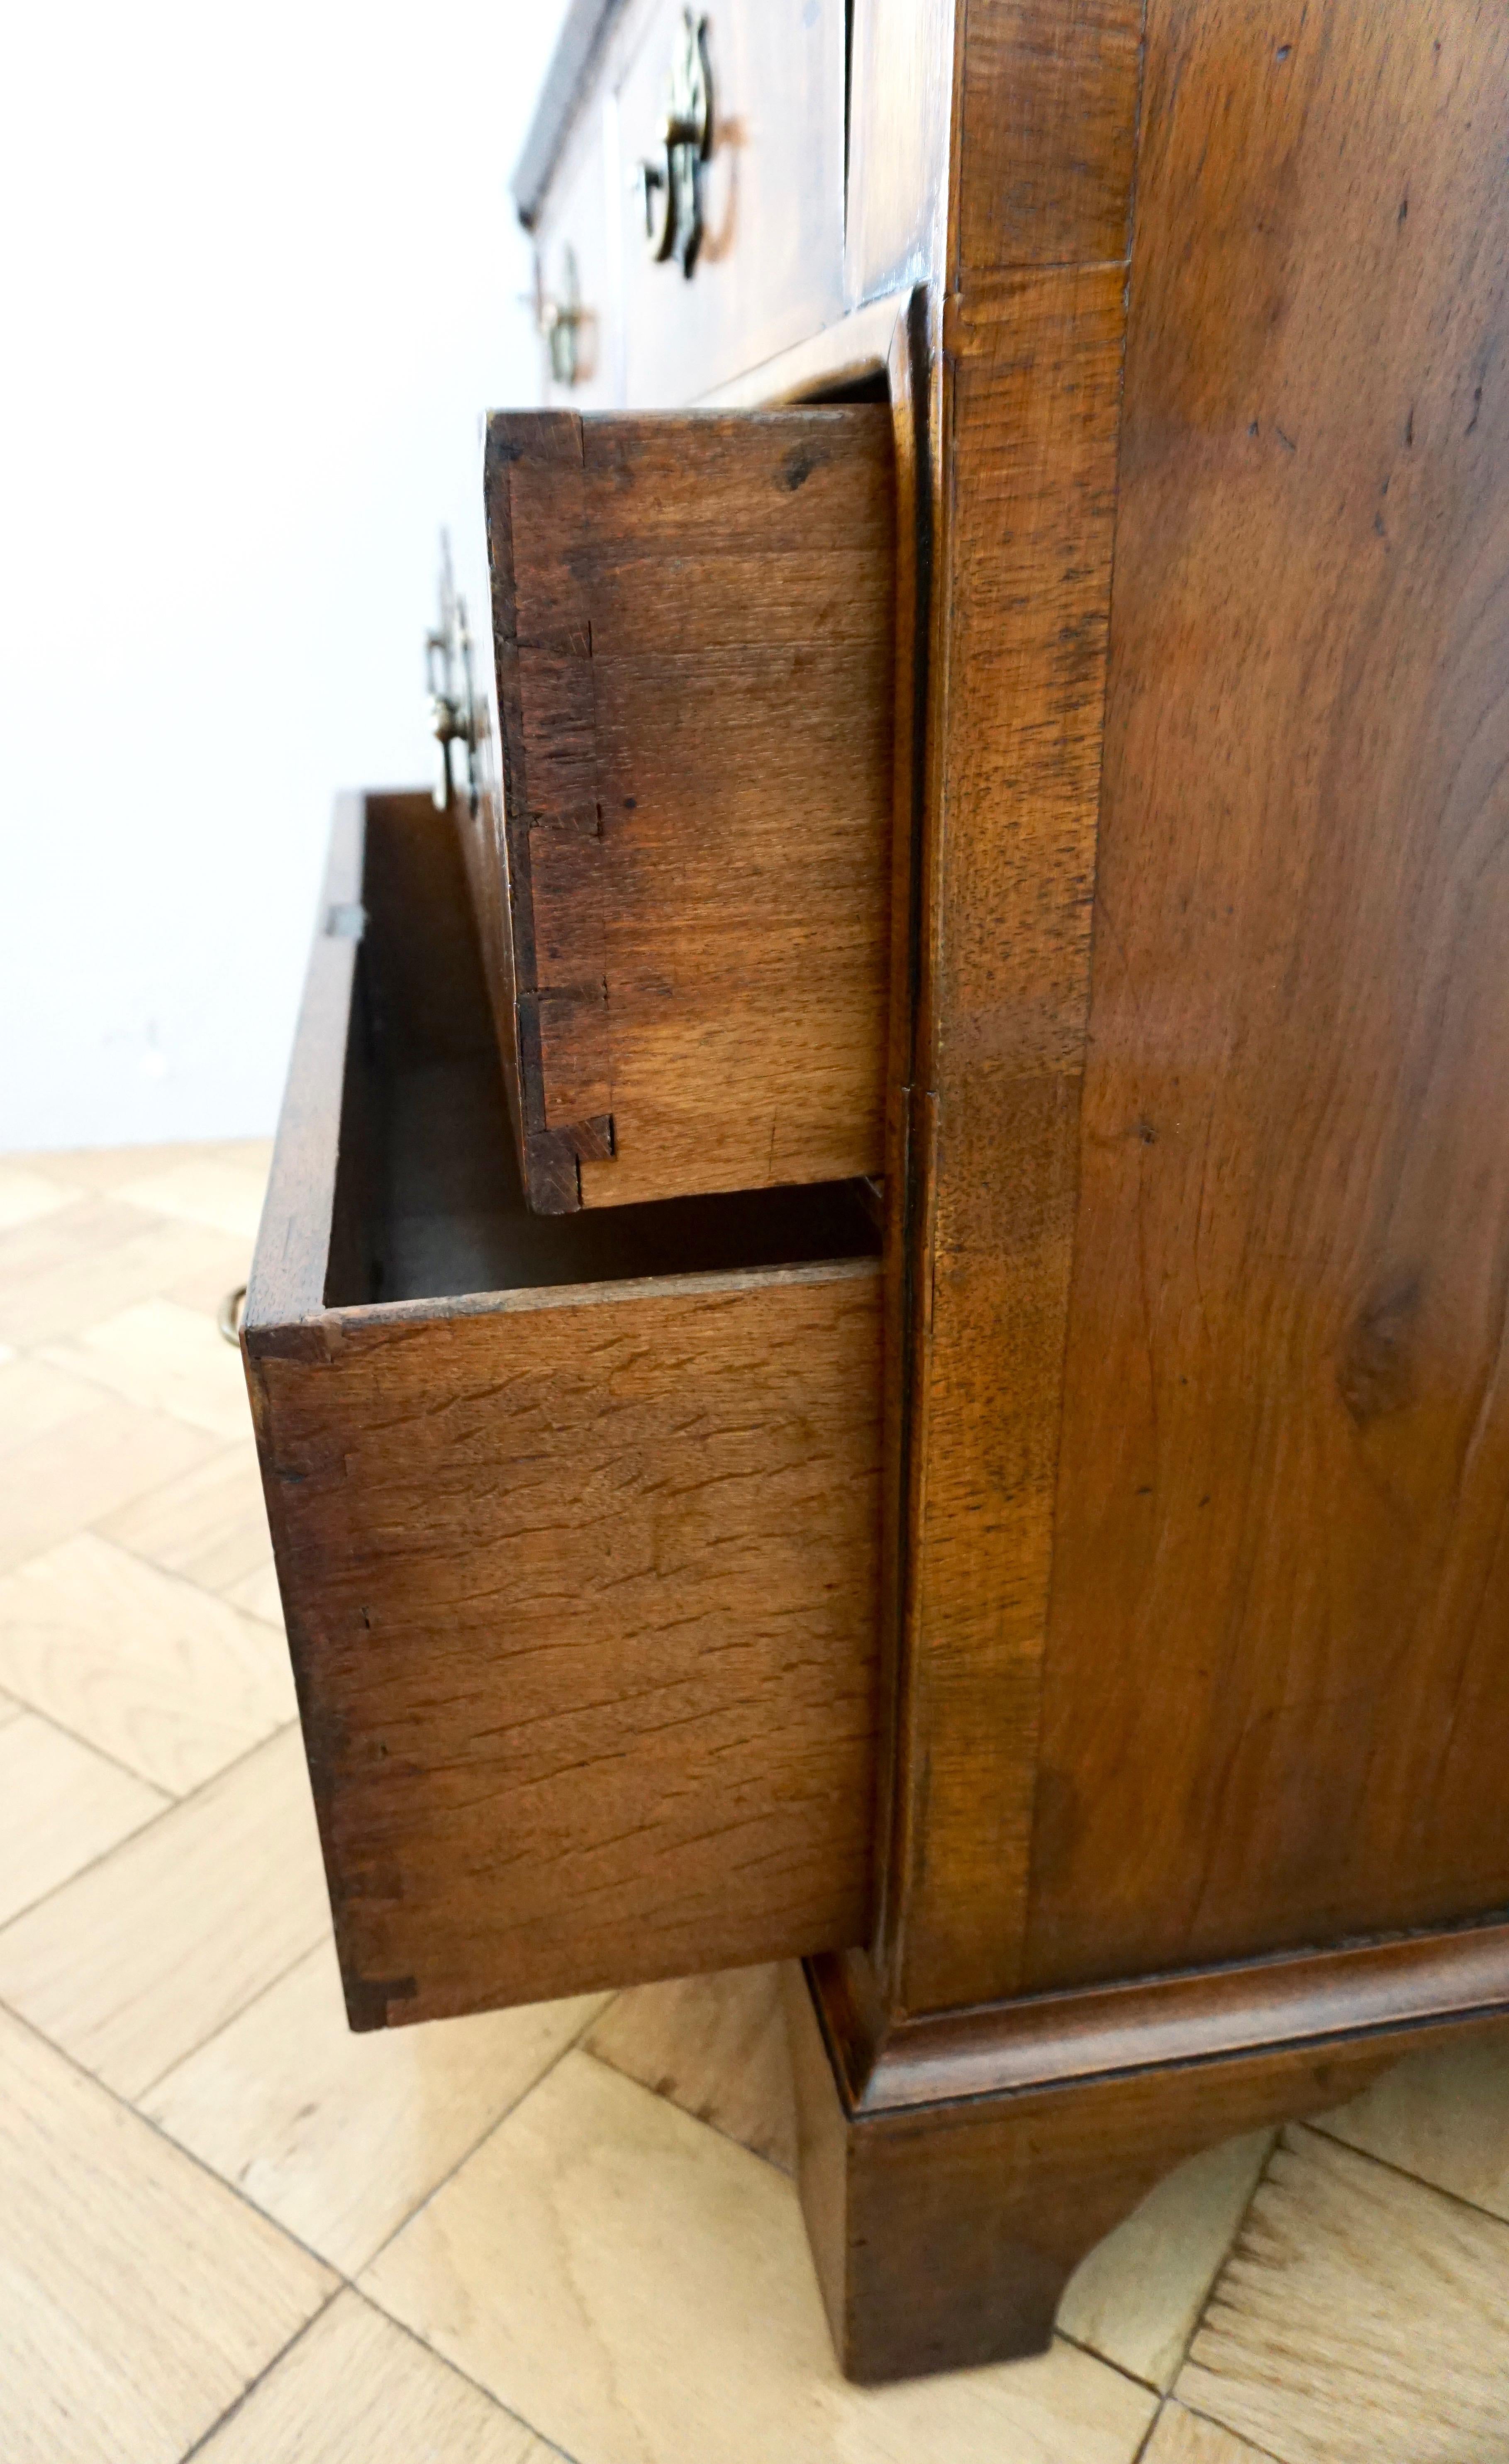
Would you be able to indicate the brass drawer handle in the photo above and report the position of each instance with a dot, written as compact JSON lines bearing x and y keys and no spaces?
{"x":559,"y":320}
{"x":671,"y":190}
{"x":452,"y":701}
{"x":229,"y":1315}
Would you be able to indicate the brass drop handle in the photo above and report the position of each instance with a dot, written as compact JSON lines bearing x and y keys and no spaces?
{"x":670,"y":182}
{"x":452,"y":703}
{"x":558,"y":321}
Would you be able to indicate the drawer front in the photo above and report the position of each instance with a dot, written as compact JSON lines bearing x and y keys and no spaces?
{"x":687,"y":921}
{"x":579,"y":1564}
{"x":577,"y":248}
{"x":769,"y":268}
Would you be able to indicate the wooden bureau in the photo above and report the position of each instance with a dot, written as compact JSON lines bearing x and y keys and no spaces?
{"x":983,"y":1462}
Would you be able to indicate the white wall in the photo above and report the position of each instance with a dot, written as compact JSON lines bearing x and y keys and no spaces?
{"x":261,"y":277}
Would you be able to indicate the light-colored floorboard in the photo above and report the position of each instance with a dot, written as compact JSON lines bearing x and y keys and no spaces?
{"x":167,"y":1358}
{"x":1136,"y":2297}
{"x":1442,"y":2114}
{"x":1361,"y":2319}
{"x":114,"y":1257}
{"x":27,"y":1196}
{"x":715,"y":2045}
{"x":340,"y":2137}
{"x":163,"y":1676}
{"x":138,"y":2297}
{"x":258,"y":1595}
{"x":208,"y":1526}
{"x":1182,"y":2438}
{"x":355,"y":2390}
{"x":108,"y":1168}
{"x":79,"y":1471}
{"x":36,"y":1401}
{"x":638,"y":2288}
{"x":144,"y":1957}
{"x":61,"y":1807}
{"x":201,"y":1189}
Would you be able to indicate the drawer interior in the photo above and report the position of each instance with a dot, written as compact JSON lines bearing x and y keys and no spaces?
{"x":576,"y":1519}
{"x":428,"y":1201}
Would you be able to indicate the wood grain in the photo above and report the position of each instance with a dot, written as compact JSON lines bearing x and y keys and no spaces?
{"x":900,"y":90}
{"x":1031,"y":443}
{"x":1277,"y":1700}
{"x":338,"y":2138}
{"x":717,"y":2046}
{"x":1137,"y":2296}
{"x":171,"y":1684}
{"x":692,"y":625}
{"x":138,"y":1960}
{"x":946,"y":2231}
{"x":1191,"y":2015}
{"x":1183,"y":2438}
{"x":1362,"y":2318}
{"x":292,"y":1250}
{"x":635,"y":2286}
{"x":141,"y":2296}
{"x":580,"y":1595}
{"x":1046,"y":134}
{"x":1441,"y":2114}
{"x":61,"y":1806}
{"x":770,"y":270}
{"x":577,"y":1559}
{"x":210,"y":1525}
{"x":356,"y":2386}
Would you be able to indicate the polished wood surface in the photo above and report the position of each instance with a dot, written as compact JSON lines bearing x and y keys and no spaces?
{"x":578,"y":1562}
{"x":947,"y":2211}
{"x":692,"y":621}
{"x":1025,"y":477}
{"x":1277,"y":1703}
{"x":769,"y":269}
{"x":901,"y":81}
{"x":1181,"y":1693}
{"x":1194,"y":2014}
{"x":1199,"y":1266}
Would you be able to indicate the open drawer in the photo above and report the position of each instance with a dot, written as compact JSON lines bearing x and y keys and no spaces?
{"x":682,"y":889}
{"x":575,"y":1517}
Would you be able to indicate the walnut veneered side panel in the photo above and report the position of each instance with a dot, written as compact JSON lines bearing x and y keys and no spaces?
{"x":1277,"y":1703}
{"x":685,"y":906}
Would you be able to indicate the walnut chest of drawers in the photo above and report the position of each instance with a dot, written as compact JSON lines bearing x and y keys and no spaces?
{"x":879,"y":1336}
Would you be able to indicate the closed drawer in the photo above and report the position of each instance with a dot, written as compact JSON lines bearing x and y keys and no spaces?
{"x":684,"y":900}
{"x":769,"y":264}
{"x":574,"y":1520}
{"x":755,"y":259}
{"x":577,"y":268}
